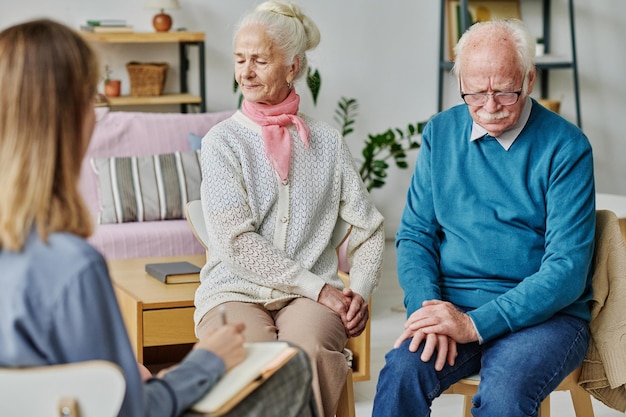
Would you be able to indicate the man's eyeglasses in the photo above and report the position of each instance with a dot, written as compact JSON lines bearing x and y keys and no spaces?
{"x":504,"y":98}
{"x":102,"y":106}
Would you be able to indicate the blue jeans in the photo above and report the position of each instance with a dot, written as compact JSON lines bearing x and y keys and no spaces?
{"x":518,"y":371}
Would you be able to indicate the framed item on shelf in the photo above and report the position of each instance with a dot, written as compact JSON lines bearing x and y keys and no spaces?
{"x":478,"y":11}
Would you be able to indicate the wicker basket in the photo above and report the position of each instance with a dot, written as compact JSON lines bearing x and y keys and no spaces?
{"x":147,"y":78}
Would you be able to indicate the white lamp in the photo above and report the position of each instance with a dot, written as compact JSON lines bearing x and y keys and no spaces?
{"x":162,"y":22}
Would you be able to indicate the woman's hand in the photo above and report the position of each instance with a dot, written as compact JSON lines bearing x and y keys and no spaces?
{"x":358,"y":313}
{"x":350,"y":306}
{"x":334,"y":299}
{"x":144,"y":372}
{"x":226,"y":342}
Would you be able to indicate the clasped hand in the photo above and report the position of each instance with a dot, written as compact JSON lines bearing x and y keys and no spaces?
{"x":350,"y":306}
{"x":440,"y":325}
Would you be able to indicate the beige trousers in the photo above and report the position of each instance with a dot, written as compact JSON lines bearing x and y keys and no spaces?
{"x":305,"y":323}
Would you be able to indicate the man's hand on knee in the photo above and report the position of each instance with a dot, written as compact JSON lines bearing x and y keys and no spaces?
{"x":443,"y":318}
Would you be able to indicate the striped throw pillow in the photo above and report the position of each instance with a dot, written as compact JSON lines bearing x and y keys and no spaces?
{"x":147,"y":188}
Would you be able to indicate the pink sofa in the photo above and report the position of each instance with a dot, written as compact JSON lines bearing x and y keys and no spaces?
{"x":122,"y":134}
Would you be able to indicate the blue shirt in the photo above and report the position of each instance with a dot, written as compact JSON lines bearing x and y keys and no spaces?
{"x":506,"y":233}
{"x":57,"y":305}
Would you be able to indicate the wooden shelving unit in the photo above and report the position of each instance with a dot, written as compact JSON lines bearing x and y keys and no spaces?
{"x":185,"y":40}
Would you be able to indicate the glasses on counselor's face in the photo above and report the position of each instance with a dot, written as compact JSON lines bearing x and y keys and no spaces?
{"x":102,"y":106}
{"x":503,"y":98}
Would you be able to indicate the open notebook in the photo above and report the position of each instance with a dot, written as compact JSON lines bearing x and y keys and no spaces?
{"x":262,"y":360}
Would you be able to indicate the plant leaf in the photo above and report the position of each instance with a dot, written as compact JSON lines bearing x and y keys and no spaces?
{"x":345,"y":114}
{"x":314,"y":82}
{"x":235,"y":84}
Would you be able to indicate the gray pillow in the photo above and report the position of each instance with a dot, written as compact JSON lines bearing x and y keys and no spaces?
{"x":147,"y":188}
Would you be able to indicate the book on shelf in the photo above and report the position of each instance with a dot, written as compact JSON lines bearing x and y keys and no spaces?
{"x":174,"y":272}
{"x":262,"y":360}
{"x":107,"y":22}
{"x":106,"y":29}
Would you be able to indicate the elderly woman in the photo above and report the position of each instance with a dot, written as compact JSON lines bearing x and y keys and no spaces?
{"x":57,"y":303}
{"x":275,"y":182}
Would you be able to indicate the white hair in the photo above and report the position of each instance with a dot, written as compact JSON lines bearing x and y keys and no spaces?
{"x":292,"y":31}
{"x":522,"y":39}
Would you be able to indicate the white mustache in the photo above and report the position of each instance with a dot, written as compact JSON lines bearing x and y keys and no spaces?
{"x":493,"y":116}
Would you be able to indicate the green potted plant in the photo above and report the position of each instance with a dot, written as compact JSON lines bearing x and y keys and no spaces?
{"x":112,"y":87}
{"x":379,"y":149}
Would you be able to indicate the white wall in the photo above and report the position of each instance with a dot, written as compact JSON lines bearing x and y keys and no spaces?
{"x":385,"y":55}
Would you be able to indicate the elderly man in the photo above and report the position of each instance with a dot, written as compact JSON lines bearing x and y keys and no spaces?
{"x":495,"y":244}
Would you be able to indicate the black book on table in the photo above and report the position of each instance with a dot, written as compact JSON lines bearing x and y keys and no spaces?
{"x":174,"y":272}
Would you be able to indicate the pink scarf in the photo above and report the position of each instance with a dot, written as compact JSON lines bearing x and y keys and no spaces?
{"x":276,"y":138}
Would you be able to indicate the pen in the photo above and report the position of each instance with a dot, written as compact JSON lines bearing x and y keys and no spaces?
{"x":223,"y":315}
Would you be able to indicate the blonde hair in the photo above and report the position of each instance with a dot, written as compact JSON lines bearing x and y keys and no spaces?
{"x":292,"y":31}
{"x":48,"y":78}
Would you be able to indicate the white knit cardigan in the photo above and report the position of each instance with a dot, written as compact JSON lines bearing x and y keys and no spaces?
{"x":269,"y":241}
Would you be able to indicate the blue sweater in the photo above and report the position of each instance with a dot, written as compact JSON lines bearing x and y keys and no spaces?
{"x":508,"y":234}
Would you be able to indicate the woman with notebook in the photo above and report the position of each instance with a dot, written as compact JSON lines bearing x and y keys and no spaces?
{"x":57,"y":303}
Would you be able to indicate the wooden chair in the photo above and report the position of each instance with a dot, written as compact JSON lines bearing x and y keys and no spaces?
{"x":86,"y":389}
{"x":581,"y":399}
{"x":358,"y":346}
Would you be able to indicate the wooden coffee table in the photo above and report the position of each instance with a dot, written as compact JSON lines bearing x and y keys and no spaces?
{"x":158,"y":316}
